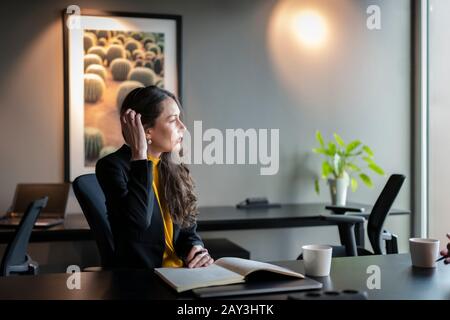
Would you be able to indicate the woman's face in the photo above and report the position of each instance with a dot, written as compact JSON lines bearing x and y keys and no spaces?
{"x":167,"y":133}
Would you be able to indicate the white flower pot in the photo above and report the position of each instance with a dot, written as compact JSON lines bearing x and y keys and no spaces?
{"x":338,"y":190}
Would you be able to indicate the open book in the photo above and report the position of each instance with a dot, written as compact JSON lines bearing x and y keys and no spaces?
{"x":223,"y":271}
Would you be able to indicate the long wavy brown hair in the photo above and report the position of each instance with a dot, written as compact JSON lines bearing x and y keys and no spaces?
{"x":177,"y":185}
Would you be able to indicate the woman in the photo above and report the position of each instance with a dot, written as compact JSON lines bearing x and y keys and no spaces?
{"x":150,"y":199}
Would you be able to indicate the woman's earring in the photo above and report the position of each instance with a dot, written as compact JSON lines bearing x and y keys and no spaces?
{"x":149,"y":141}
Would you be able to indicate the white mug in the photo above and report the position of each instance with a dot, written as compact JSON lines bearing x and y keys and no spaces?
{"x":424,"y":252}
{"x":317,"y":260}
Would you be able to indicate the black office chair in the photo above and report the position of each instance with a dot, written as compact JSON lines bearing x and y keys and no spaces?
{"x":15,"y":259}
{"x":92,"y":201}
{"x":375,"y":224}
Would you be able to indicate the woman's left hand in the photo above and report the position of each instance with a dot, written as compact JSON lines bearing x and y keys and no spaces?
{"x":198,"y":257}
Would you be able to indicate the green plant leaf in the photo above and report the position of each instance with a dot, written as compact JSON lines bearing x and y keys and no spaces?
{"x":368,"y":160}
{"x":319,"y":150}
{"x":355,"y":154}
{"x":366,"y":180}
{"x":326,"y":169}
{"x":320,"y":139}
{"x":330,"y":153}
{"x":375,"y":168}
{"x":354,"y":184}
{"x":352,"y":146}
{"x":353,"y":167}
{"x":317,"y":186}
{"x":340,"y":153}
{"x":331,"y":149}
{"x":368,"y":151}
{"x":339,"y":140}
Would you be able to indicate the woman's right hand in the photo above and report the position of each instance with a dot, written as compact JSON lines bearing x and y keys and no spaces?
{"x":134,"y":134}
{"x":445,"y":252}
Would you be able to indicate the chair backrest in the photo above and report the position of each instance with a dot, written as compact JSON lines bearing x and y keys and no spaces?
{"x":381,"y":210}
{"x":15,"y":258}
{"x":92,"y":201}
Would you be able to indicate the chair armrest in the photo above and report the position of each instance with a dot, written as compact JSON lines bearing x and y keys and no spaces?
{"x":391,"y":243}
{"x":343,"y":219}
{"x":346,"y":226}
{"x":386,"y":235}
{"x":343,"y":210}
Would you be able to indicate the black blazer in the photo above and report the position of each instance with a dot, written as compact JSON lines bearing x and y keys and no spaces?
{"x":134,"y":213}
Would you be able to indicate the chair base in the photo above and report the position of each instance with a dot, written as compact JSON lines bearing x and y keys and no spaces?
{"x":29,"y":267}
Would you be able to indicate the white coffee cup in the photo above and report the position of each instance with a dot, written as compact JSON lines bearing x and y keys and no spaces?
{"x":317,"y":260}
{"x":424,"y":252}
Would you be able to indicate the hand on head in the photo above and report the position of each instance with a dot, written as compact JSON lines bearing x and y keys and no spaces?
{"x":134,"y":134}
{"x":445,"y":252}
{"x":198,"y":257}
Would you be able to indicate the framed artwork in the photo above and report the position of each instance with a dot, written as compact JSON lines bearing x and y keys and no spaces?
{"x":106,"y":55}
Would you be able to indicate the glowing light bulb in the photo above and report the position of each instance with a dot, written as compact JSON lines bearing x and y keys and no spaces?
{"x":310,"y":28}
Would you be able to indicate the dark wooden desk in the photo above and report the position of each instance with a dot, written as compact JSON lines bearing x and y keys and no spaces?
{"x":75,"y":227}
{"x":287,"y":216}
{"x":398,"y":281}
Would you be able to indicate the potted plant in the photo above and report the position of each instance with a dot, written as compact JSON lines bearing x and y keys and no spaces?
{"x":343,"y":164}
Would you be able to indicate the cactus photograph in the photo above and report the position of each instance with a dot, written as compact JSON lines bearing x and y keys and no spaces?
{"x":106,"y":56}
{"x":115,"y":62}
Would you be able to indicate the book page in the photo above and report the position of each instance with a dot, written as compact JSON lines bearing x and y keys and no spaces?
{"x":244,"y":267}
{"x":183,"y":279}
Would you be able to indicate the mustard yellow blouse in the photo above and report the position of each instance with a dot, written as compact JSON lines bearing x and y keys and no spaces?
{"x":170,"y":258}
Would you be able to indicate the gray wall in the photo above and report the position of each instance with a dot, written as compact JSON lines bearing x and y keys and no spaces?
{"x":234,"y":77}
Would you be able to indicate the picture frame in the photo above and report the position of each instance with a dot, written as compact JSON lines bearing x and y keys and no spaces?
{"x":106,"y":55}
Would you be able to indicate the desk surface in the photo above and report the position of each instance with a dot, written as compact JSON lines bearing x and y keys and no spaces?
{"x":287,"y":216}
{"x":398,"y":281}
{"x":75,"y":227}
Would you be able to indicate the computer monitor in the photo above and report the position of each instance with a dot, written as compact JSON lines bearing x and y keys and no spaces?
{"x":57,"y":194}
